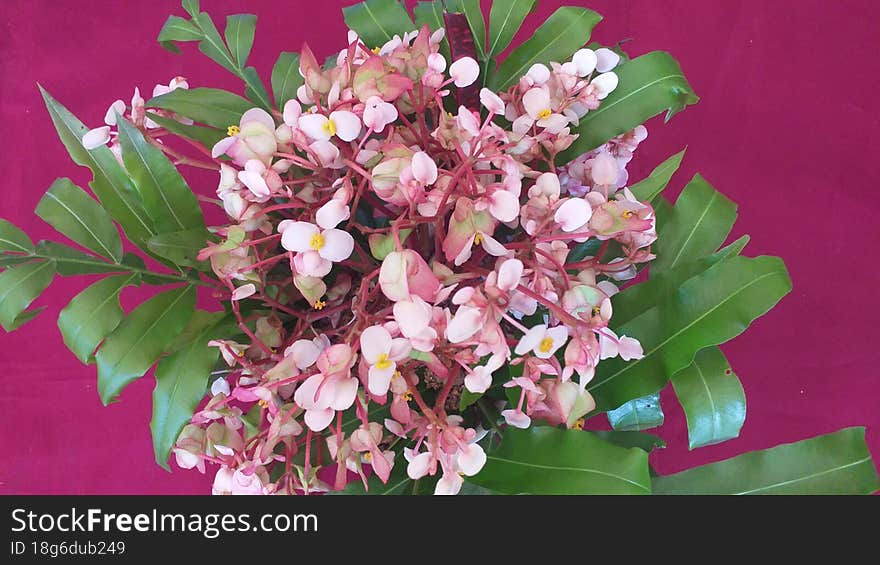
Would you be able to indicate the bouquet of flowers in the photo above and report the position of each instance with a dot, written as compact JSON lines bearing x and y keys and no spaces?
{"x":433,"y":270}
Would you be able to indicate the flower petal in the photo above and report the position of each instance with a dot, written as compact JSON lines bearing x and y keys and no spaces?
{"x":380,"y":379}
{"x":535,"y":101}
{"x":258,"y":115}
{"x":504,"y":206}
{"x":348,"y":124}
{"x":338,"y":245}
{"x":375,"y":341}
{"x":464,"y":71}
{"x":314,"y":126}
{"x":509,"y":274}
{"x":244,"y":291}
{"x":530,"y":339}
{"x":606,"y":59}
{"x":332,"y":213}
{"x":573,"y":214}
{"x":297,"y":236}
{"x":424,"y":169}
{"x":97,"y":137}
{"x":585,"y":60}
{"x":605,"y":84}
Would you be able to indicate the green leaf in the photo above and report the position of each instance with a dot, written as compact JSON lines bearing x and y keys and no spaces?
{"x":638,"y":414}
{"x":474,"y":14}
{"x":699,"y":223}
{"x":712,"y":398}
{"x":648,"y":85}
{"x":141,"y":338}
{"x":71,"y":211}
{"x":204,"y":135}
{"x":505,"y":19}
{"x":377,"y":21}
{"x":239,"y":34}
{"x":381,"y":245}
{"x":708,"y":309}
{"x":286,"y":78}
{"x":70,"y":261}
{"x":177,"y":29}
{"x":19,"y":286}
{"x":431,"y":14}
{"x":836,"y":463}
{"x":641,"y":440}
{"x":166,"y":196}
{"x":546,"y":460}
{"x":641,"y":297}
{"x":92,"y":314}
{"x":212,"y":44}
{"x":191,"y":7}
{"x":565,"y":31}
{"x":13,"y":239}
{"x":182,"y":247}
{"x":26,"y":317}
{"x":210,"y":106}
{"x":111,"y":183}
{"x":254,"y":88}
{"x":181,"y":381}
{"x":648,"y":188}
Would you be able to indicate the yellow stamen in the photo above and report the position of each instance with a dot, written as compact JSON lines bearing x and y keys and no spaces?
{"x":368,"y":457}
{"x":478,"y":239}
{"x":578,"y":424}
{"x":263,"y":403}
{"x":233,"y":130}
{"x":383,"y":362}
{"x":596,"y":310}
{"x":330,"y":128}
{"x":627,"y":214}
{"x":406,"y":396}
{"x":546,"y":345}
{"x":376,"y":50}
{"x":317,"y":242}
{"x":319,"y":304}
{"x":544,"y":114}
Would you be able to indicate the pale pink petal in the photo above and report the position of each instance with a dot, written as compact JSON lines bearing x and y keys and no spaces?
{"x":297,"y":236}
{"x":573,"y":214}
{"x":437,"y":62}
{"x":630,"y":348}
{"x":255,"y":183}
{"x":548,"y":183}
{"x":375,"y":342}
{"x":466,"y":322}
{"x":465,"y":252}
{"x":478,"y":381}
{"x":305,"y":395}
{"x":509,"y":274}
{"x":332,"y":213}
{"x":493,"y":246}
{"x":467,"y":121}
{"x":338,"y":245}
{"x":380,"y":379}
{"x":449,"y":484}
{"x":554,"y":123}
{"x":522,"y":124}
{"x":315,"y":126}
{"x":492,"y":102}
{"x":585,"y":61}
{"x":244,"y":291}
{"x":292,"y":112}
{"x":559,"y":335}
{"x":327,"y":153}
{"x":536,"y":101}
{"x":310,"y":263}
{"x":530,"y":339}
{"x":118,"y":107}
{"x":605,"y":170}
{"x":412,"y":316}
{"x":318,"y":420}
{"x":539,"y":73}
{"x":516,"y":418}
{"x":344,"y":394}
{"x":418,"y":465}
{"x":606,"y":59}
{"x":464,"y":71}
{"x":97,"y":137}
{"x":222,"y":146}
{"x":258,"y":115}
{"x":400,"y":349}
{"x":605,"y":84}
{"x":304,"y":353}
{"x":471,"y":459}
{"x":348,"y":125}
{"x":424,"y":168}
{"x":503,"y":206}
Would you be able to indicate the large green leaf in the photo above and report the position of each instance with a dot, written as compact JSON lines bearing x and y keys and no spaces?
{"x":166,"y":196}
{"x":699,"y":223}
{"x":212,"y":44}
{"x":641,"y":297}
{"x":836,"y":463}
{"x":141,"y":338}
{"x":648,"y":188}
{"x":70,"y":262}
{"x":111,"y":183}
{"x":19,"y":286}
{"x":13,"y":239}
{"x":92,"y":314}
{"x":712,"y":398}
{"x":505,"y":19}
{"x":210,"y":106}
{"x":182,"y":247}
{"x":649,"y":85}
{"x":239,"y":34}
{"x":181,"y":381}
{"x":708,"y":309}
{"x":286,"y":78}
{"x":645,"y":442}
{"x":474,"y":14}
{"x":638,"y":414}
{"x":565,"y":31}
{"x":377,"y":21}
{"x":177,"y":29}
{"x":546,"y":460}
{"x":207,"y":136}
{"x":68,"y":209}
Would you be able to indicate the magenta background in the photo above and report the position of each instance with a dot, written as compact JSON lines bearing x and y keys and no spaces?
{"x":787,"y":127}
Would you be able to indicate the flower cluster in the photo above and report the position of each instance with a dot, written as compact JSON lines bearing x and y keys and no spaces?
{"x":393,"y":255}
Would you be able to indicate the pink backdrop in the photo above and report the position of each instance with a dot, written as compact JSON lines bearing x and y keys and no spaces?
{"x":787,"y":127}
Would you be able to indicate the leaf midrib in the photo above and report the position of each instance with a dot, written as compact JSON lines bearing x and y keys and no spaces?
{"x":27,"y":276}
{"x":604,"y":107}
{"x":694,"y":229}
{"x":135,"y":144}
{"x":99,"y":241}
{"x":491,"y":50}
{"x":572,"y":469}
{"x":805,"y":477}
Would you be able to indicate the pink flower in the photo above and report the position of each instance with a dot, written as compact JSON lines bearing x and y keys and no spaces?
{"x":261,"y":180}
{"x":378,"y":113}
{"x":252,"y":138}
{"x":381,"y":353}
{"x":343,"y":124}
{"x":573,"y":214}
{"x":97,"y":137}
{"x":466,"y":228}
{"x":539,"y":112}
{"x":424,"y":169}
{"x":516,"y":418}
{"x":542,"y":341}
{"x":585,"y":61}
{"x":244,"y":291}
{"x":491,"y":101}
{"x":606,"y":59}
{"x":316,"y":249}
{"x":414,"y":319}
{"x":464,"y":71}
{"x":480,"y":378}
{"x":405,"y":274}
{"x":611,"y":346}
